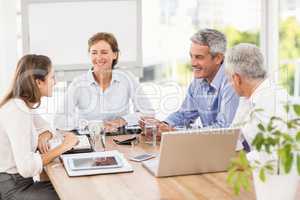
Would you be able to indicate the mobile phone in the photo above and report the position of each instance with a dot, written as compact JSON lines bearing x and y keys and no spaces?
{"x":142,"y":157}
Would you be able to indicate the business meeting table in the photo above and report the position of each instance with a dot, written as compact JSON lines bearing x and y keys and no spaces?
{"x":140,"y":184}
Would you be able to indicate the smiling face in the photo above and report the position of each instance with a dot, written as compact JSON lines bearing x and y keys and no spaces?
{"x":102,"y":56}
{"x":204,"y":65}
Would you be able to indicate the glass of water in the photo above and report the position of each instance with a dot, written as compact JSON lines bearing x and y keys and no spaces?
{"x":97,"y":135}
{"x":150,"y":131}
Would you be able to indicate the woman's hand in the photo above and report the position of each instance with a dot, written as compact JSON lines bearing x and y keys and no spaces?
{"x":43,"y":144}
{"x":70,"y":140}
{"x":113,"y":125}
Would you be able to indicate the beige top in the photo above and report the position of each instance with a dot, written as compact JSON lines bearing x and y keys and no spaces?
{"x":19,"y":131}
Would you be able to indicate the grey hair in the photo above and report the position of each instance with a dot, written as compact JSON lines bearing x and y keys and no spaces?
{"x":247,"y":60}
{"x":215,"y":40}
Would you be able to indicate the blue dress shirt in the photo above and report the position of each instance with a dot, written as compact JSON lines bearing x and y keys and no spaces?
{"x":215,"y":103}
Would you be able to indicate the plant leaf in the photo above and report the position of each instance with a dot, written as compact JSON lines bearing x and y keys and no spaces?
{"x":258,"y":141}
{"x":243,"y":159}
{"x":272,"y":141}
{"x":286,"y":108}
{"x":282,"y":155}
{"x":298,"y":163}
{"x":290,"y":124}
{"x":269,"y":168}
{"x":297,"y":109}
{"x":262,"y":175}
{"x":288,"y":163}
{"x":276,"y":133}
{"x":270,"y":126}
{"x":267,"y":147}
{"x":237,"y":184}
{"x":239,"y":173}
{"x":298,"y":136}
{"x":245,"y":181}
{"x":286,"y":156}
{"x":287,"y":138}
{"x":261,"y":127}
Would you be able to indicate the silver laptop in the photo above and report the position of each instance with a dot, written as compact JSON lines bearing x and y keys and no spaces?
{"x":193,"y":152}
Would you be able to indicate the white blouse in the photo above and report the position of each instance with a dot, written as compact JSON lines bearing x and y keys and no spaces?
{"x":19,"y":131}
{"x":85,"y":100}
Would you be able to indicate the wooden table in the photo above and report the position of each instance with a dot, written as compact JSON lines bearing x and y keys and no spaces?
{"x":140,"y":184}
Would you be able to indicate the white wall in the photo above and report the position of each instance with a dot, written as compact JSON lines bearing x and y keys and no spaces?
{"x":8,"y":41}
{"x":68,"y":48}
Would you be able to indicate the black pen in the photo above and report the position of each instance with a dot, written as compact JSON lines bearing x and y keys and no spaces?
{"x":103,"y":141}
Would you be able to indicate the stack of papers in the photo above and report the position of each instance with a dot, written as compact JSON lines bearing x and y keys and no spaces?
{"x":107,"y":162}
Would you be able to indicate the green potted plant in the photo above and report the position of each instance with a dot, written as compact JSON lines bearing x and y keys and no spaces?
{"x":276,"y":147}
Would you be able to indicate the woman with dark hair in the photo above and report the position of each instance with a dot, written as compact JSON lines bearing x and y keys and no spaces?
{"x":25,"y":135}
{"x":103,"y":93}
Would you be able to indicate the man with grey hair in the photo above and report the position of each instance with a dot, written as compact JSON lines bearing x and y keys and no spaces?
{"x":210,"y":97}
{"x":248,"y":75}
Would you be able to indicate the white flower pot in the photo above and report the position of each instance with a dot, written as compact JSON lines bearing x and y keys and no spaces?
{"x":276,"y":187}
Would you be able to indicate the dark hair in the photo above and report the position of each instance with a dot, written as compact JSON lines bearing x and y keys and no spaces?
{"x":30,"y":68}
{"x":110,"y":39}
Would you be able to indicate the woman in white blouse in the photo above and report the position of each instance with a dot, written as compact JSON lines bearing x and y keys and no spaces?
{"x":24,"y":134}
{"x":103,"y":93}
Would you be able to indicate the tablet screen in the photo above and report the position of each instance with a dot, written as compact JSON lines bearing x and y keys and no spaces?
{"x":100,"y":161}
{"x":95,"y":163}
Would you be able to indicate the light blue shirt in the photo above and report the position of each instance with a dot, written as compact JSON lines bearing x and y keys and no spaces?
{"x":215,"y":103}
{"x":85,"y":100}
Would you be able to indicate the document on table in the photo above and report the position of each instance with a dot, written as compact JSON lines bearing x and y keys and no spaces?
{"x":82,"y":144}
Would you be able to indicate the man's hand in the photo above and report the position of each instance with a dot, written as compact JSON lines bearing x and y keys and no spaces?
{"x":145,"y":120}
{"x":43,"y":144}
{"x":113,"y":125}
{"x":160,"y":125}
{"x":164,"y":127}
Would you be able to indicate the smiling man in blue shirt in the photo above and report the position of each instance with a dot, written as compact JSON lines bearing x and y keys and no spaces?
{"x":210,"y":96}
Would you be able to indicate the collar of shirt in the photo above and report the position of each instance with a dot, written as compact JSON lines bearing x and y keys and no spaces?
{"x":91,"y":78}
{"x":217,"y":81}
{"x":265,"y":85}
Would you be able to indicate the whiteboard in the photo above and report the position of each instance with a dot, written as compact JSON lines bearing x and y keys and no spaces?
{"x":60,"y":29}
